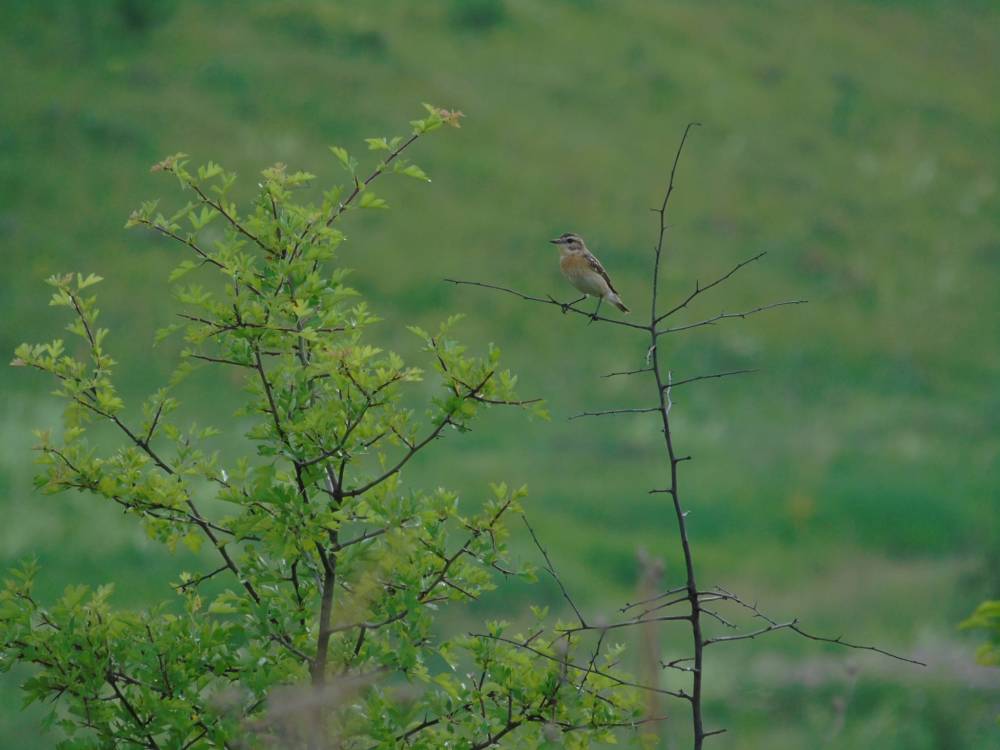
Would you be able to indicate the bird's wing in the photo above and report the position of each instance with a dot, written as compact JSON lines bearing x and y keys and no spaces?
{"x":595,"y":265}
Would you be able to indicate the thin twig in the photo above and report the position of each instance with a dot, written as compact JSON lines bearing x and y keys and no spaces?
{"x":725,"y":316}
{"x":701,"y":289}
{"x":550,"y":568}
{"x":628,"y":372}
{"x":696,"y":378}
{"x":627,"y":623}
{"x":664,"y":595}
{"x":663,"y":387}
{"x":608,"y":412}
{"x":566,"y":307}
{"x":579,"y":668}
{"x":793,"y":625}
{"x":195,"y":581}
{"x":415,"y":448}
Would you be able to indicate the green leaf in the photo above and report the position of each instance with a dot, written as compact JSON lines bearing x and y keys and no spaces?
{"x":416,"y":172}
{"x":349,"y":162}
{"x":370,"y":200}
{"x":222,"y":607}
{"x":208,"y":171}
{"x":184,"y":267}
{"x":83,"y":283}
{"x":193,"y":541}
{"x":202,"y":218}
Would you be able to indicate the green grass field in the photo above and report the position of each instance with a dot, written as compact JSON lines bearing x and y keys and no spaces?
{"x":852,"y":482}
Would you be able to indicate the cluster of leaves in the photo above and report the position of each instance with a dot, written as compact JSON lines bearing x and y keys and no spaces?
{"x":987,"y":617}
{"x":318,"y":628}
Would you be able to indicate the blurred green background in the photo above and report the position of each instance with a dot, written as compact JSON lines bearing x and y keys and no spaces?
{"x":852,"y":482}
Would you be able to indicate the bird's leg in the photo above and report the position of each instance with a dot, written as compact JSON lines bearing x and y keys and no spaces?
{"x":567,"y":305}
{"x":597,"y":309}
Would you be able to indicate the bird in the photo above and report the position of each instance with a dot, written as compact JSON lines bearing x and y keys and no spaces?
{"x":586,"y":273}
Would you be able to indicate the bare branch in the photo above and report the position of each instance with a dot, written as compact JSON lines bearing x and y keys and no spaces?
{"x":566,"y":307}
{"x":751,"y":635}
{"x":793,"y":625}
{"x":664,"y":595}
{"x":701,"y":289}
{"x":552,"y":572}
{"x":839,"y":641}
{"x":687,"y":593}
{"x":725,"y":316}
{"x":663,"y":392}
{"x":627,"y":623}
{"x":628,"y":372}
{"x":673,"y":169}
{"x":718,"y":617}
{"x":665,"y":605}
{"x":614,"y":411}
{"x":676,"y":664}
{"x":579,"y":668}
{"x":677,"y":383}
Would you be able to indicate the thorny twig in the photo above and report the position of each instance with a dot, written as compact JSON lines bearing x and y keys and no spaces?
{"x":688,"y":592}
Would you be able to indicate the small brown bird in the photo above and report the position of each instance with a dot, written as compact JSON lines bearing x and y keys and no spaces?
{"x":585,"y":272}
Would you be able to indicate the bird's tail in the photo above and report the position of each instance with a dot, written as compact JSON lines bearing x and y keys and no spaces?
{"x":615,"y":300}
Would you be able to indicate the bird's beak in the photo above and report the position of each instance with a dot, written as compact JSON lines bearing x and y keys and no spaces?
{"x":556,"y":241}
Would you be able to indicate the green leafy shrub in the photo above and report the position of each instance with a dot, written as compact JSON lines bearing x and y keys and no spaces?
{"x":315,"y":624}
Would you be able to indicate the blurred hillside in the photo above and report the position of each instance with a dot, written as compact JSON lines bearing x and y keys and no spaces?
{"x":852,"y":482}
